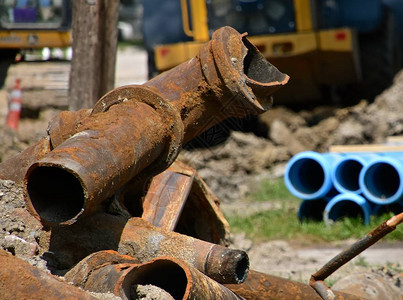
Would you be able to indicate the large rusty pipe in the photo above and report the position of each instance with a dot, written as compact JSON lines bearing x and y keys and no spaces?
{"x":146,"y":242}
{"x":20,"y":280}
{"x":260,"y":286}
{"x":137,"y":238}
{"x":137,"y":127}
{"x":118,"y":276}
{"x":228,"y":78}
{"x":90,"y":166}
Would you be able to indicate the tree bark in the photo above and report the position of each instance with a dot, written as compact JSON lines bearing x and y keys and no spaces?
{"x":94,"y":51}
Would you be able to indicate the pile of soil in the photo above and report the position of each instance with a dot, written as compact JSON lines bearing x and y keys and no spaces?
{"x":231,"y":168}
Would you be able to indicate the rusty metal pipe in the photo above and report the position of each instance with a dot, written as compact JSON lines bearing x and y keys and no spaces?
{"x":143,"y":127}
{"x":260,"y":286}
{"x":80,"y":173}
{"x":228,"y":78}
{"x":170,"y":274}
{"x":137,"y":238}
{"x":145,"y":242}
{"x":20,"y":280}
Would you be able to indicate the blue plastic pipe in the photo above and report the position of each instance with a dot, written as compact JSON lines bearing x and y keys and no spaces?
{"x":381,"y":180}
{"x":346,"y":171}
{"x":347,"y":205}
{"x":308,"y":174}
{"x":312,"y":209}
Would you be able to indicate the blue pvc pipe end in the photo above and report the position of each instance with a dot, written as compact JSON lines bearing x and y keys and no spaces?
{"x":381,"y":180}
{"x":308,"y":174}
{"x":346,"y":172}
{"x":347,"y":205}
{"x":312,"y":209}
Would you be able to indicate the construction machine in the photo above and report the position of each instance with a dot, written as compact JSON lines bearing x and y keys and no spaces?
{"x":32,"y":24}
{"x":342,"y":49}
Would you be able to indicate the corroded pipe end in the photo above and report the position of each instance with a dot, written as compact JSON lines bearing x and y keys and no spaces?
{"x":246,"y":73}
{"x":229,"y":265}
{"x":53,"y":194}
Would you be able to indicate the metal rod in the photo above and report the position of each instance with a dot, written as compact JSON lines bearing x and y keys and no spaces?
{"x":317,"y":279}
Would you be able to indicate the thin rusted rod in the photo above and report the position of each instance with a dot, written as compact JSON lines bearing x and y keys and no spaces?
{"x":317,"y":279}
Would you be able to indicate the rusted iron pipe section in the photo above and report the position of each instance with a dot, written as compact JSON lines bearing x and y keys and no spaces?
{"x":259,"y":286}
{"x":128,"y":128}
{"x":229,"y":77}
{"x":170,"y":274}
{"x":317,"y":279}
{"x":60,"y":128}
{"x":20,"y":280}
{"x":145,"y":242}
{"x":109,"y":149}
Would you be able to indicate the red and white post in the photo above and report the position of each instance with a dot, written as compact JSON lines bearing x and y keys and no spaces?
{"x":14,"y":111}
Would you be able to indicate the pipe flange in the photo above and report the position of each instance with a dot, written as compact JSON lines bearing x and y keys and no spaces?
{"x":151,"y":97}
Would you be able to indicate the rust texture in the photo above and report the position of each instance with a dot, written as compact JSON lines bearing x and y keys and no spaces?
{"x":15,"y":168}
{"x":229,"y":77}
{"x":136,"y":237}
{"x":139,"y":130}
{"x":259,"y":286}
{"x":166,"y":196}
{"x":145,"y":242}
{"x":179,"y":200}
{"x":20,"y":280}
{"x":115,"y":274}
{"x":369,"y":286}
{"x":317,"y":279}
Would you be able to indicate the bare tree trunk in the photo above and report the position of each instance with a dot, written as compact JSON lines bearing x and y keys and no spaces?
{"x":94,"y":51}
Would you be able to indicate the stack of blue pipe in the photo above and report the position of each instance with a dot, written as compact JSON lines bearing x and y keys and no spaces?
{"x":335,"y":185}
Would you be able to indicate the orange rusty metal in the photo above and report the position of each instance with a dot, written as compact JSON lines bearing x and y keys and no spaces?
{"x":20,"y":280}
{"x":145,"y":242}
{"x":369,"y":286}
{"x":166,"y":197}
{"x":260,"y":286}
{"x":15,"y":168}
{"x":317,"y":280}
{"x":178,"y":199}
{"x":228,"y":78}
{"x":118,"y":275}
{"x":138,"y":238}
{"x":93,"y":164}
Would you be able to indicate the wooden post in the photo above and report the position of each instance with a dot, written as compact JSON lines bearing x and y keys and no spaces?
{"x":94,"y":51}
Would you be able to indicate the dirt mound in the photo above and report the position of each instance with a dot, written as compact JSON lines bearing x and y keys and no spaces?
{"x":230,"y":168}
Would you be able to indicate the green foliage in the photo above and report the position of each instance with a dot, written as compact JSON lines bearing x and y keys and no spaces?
{"x":283,"y":223}
{"x":273,"y":189}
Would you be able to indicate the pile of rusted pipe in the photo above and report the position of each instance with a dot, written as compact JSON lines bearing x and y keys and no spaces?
{"x":120,"y":212}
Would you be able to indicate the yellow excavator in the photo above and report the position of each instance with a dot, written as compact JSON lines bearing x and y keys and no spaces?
{"x":328,"y":47}
{"x":32,"y":24}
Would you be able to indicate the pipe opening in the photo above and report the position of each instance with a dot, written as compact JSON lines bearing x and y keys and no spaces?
{"x":55,"y":194}
{"x":345,"y":209}
{"x":307,"y":176}
{"x":311,"y":210}
{"x":164,"y":274}
{"x":257,"y":68}
{"x":348,"y":173}
{"x":382,"y":180}
{"x":242,"y":268}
